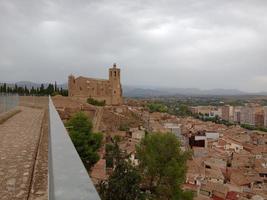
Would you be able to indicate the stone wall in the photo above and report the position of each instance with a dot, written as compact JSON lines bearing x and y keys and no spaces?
{"x":100,"y":89}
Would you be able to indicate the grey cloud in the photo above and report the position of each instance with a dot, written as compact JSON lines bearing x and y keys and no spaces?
{"x":165,"y":43}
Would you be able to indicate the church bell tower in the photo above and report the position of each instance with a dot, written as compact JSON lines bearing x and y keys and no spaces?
{"x":114,"y":78}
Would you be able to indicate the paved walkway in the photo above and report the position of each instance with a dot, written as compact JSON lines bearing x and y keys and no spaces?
{"x":97,"y":118}
{"x":19,"y":138}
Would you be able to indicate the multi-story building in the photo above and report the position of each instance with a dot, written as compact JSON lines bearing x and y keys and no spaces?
{"x":210,"y":111}
{"x":228,"y":113}
{"x":109,"y":90}
{"x":259,"y":117}
{"x":265,"y":116}
{"x":205,"y":110}
{"x":248,"y":115}
{"x":216,"y":112}
{"x":237,"y":114}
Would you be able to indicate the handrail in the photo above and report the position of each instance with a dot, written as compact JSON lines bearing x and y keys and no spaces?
{"x":68,"y":178}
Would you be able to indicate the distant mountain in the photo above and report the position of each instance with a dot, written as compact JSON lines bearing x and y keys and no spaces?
{"x":134,"y":91}
{"x":130,"y":91}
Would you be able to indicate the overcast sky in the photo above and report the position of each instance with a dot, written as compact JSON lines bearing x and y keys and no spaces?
{"x":169,"y":43}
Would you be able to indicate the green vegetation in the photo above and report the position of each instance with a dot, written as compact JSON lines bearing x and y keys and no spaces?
{"x":163,"y":166}
{"x":237,"y":102}
{"x":157,"y":107}
{"x":215,"y":119}
{"x":112,"y":152}
{"x":51,"y":89}
{"x":96,"y":102}
{"x":124,"y":127}
{"x":159,"y":175}
{"x":85,"y":141}
{"x":193,"y":101}
{"x":109,"y":155}
{"x":250,"y":127}
{"x":124,"y":183}
{"x":264,"y":102}
{"x":180,"y":110}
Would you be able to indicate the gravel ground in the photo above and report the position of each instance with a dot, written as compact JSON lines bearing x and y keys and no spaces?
{"x":19,"y":140}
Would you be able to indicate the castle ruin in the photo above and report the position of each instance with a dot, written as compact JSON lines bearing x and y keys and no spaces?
{"x":109,"y":90}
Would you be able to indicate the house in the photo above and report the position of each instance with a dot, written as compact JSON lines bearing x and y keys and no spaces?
{"x":214,"y":163}
{"x":200,"y":152}
{"x":174,"y":128}
{"x":195,"y":172}
{"x":244,"y":182}
{"x":233,"y":145}
{"x":214,"y":175}
{"x":98,"y":171}
{"x":261,"y":168}
{"x":214,"y":189}
{"x":136,"y":133}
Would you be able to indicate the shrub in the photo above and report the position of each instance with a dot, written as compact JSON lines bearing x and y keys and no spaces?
{"x":124,"y":127}
{"x":157,"y":107}
{"x":96,"y":102}
{"x":85,"y":141}
{"x":163,"y":165}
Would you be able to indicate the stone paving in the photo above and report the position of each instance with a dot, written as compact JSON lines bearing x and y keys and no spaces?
{"x":19,"y":139}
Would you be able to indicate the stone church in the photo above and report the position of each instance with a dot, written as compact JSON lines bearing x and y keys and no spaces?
{"x":100,"y":89}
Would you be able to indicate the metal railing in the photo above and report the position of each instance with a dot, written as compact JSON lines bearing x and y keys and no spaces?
{"x":68,"y":178}
{"x":8,"y":101}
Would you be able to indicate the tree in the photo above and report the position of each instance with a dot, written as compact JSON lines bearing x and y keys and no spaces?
{"x":124,"y":182}
{"x":32,"y":91}
{"x":157,"y":107}
{"x":56,"y":89}
{"x":49,"y":89}
{"x":183,"y":110}
{"x":16,"y":88}
{"x":163,"y":166}
{"x":26,"y":91}
{"x":42,"y":90}
{"x":4,"y":88}
{"x":85,"y":141}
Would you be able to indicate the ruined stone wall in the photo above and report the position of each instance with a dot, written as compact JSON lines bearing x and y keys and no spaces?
{"x":87,"y":87}
{"x":99,"y":89}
